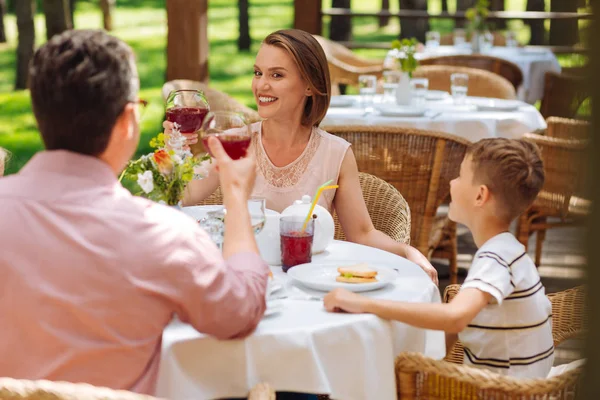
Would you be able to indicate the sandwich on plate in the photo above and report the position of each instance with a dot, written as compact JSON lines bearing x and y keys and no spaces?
{"x":359,"y":273}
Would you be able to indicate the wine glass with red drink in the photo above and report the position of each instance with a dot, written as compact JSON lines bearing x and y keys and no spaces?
{"x":187,"y":109}
{"x":231,"y":129}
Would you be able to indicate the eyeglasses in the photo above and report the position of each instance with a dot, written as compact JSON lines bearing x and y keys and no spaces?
{"x":143,"y":103}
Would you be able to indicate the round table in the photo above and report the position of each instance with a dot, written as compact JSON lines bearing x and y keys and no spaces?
{"x":444,"y":116}
{"x":303,"y":348}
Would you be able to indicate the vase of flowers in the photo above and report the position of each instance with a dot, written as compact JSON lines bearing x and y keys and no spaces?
{"x":403,"y":51}
{"x":164,"y":174}
{"x":478,"y":27}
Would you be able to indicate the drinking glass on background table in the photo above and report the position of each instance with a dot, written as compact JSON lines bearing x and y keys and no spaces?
{"x":187,"y":109}
{"x":391,"y":79}
{"x":432,"y":39}
{"x":231,"y":129}
{"x":459,"y":85}
{"x":296,"y":246}
{"x":487,"y":41}
{"x":367,"y":87}
{"x":460,"y":37}
{"x":419,"y":87}
{"x":511,"y":39}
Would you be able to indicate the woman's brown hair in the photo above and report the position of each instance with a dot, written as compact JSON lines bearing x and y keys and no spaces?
{"x":312,"y":63}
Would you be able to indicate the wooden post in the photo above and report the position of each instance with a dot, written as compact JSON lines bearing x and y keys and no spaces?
{"x":385,"y":6}
{"x":187,"y":40}
{"x":58,"y":17}
{"x":244,"y":40}
{"x":538,"y":32}
{"x":307,"y":16}
{"x":340,"y":28}
{"x":2,"y":13}
{"x":107,"y":7}
{"x":563,"y":33}
{"x":414,"y":27}
{"x":25,"y":11}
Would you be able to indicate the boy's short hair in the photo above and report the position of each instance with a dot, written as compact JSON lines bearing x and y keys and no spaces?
{"x":512,"y":170}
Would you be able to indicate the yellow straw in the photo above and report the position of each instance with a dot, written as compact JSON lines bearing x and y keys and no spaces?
{"x":314,"y":203}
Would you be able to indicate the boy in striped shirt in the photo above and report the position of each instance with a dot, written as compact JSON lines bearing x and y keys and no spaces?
{"x":501,"y":314}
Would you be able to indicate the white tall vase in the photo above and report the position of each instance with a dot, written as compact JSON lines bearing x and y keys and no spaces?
{"x":403,"y":94}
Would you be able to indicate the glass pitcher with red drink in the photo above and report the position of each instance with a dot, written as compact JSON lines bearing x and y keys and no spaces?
{"x":187,"y":109}
{"x":231,"y":129}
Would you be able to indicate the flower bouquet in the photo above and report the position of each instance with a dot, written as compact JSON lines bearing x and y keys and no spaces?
{"x":163,"y":175}
{"x":405,"y":50}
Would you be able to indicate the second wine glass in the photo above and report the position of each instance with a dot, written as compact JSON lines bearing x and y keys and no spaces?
{"x":231,"y":129}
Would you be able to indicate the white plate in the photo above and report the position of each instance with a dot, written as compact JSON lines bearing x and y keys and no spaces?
{"x":321,"y":276}
{"x":199,"y":212}
{"x":340,"y":101}
{"x":496,"y":104}
{"x":436,"y":95}
{"x":400,"y":111}
{"x":273,"y":307}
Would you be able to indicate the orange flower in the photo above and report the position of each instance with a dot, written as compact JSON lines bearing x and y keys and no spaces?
{"x":163,"y":161}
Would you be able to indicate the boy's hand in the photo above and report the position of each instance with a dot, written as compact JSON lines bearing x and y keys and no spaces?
{"x":415,"y":256}
{"x":344,"y":300}
{"x":236,"y":177}
{"x":190,"y":138}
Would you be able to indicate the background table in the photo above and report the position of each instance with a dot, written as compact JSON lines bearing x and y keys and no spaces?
{"x":304,"y":348}
{"x":534,"y":64}
{"x":442,"y":117}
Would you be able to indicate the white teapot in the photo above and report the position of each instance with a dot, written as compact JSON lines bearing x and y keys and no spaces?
{"x":324,"y":225}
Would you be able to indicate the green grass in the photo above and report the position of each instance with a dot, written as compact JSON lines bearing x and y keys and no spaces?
{"x":142,"y":24}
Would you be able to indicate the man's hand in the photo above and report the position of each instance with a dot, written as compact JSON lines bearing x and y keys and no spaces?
{"x":415,"y":256}
{"x":190,"y":138}
{"x":236,"y":177}
{"x":344,"y":300}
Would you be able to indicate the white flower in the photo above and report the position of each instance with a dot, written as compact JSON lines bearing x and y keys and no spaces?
{"x":146,"y":182}
{"x":177,"y":159}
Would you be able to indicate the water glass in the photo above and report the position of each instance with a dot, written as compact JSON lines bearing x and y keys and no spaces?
{"x":418,"y":88}
{"x":511,"y":39}
{"x":296,"y":246}
{"x":459,"y":84}
{"x":460,"y":37}
{"x":487,"y":41}
{"x":367,"y":85}
{"x":214,"y":225}
{"x":256,"y":208}
{"x":391,"y":79}
{"x":432,"y":39}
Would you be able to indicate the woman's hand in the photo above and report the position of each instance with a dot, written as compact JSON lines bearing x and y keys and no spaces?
{"x":190,"y":138}
{"x":415,"y":256}
{"x":344,"y":300}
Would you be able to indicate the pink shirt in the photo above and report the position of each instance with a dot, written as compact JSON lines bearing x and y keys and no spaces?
{"x":90,"y":277}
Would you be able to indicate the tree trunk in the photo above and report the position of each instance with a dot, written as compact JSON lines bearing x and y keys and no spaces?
{"x":563,"y":32}
{"x":538,"y":32}
{"x":25,"y":11}
{"x":107,"y":7}
{"x":411,"y":27}
{"x":187,"y":40}
{"x":341,"y":27}
{"x":444,"y":5}
{"x":307,"y":16}
{"x":57,"y":16}
{"x":2,"y":13}
{"x":244,"y":39}
{"x":462,"y":5}
{"x":72,"y":12}
{"x":498,"y":5}
{"x":385,"y":6}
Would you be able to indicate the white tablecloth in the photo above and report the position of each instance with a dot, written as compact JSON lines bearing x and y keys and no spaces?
{"x":442,"y":116}
{"x":304,"y":348}
{"x":534,"y":64}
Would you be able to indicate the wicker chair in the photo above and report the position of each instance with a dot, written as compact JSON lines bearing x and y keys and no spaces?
{"x":420,"y":164}
{"x":388,"y":210}
{"x":563,"y":195}
{"x":345,"y":66}
{"x":419,"y":377}
{"x":565,"y":128}
{"x":19,"y":389}
{"x":563,"y":94}
{"x":499,"y":66}
{"x":447,"y":39}
{"x":217,"y":100}
{"x":481,"y":83}
{"x":569,"y":317}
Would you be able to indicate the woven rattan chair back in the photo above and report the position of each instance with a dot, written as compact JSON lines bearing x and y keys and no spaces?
{"x":566,"y":128}
{"x":345,"y":66}
{"x":19,"y":389}
{"x":569,"y":317}
{"x":420,"y":377}
{"x":387,"y":208}
{"x":420,"y":164}
{"x":481,"y":83}
{"x":563,"y":94}
{"x":504,"y":68}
